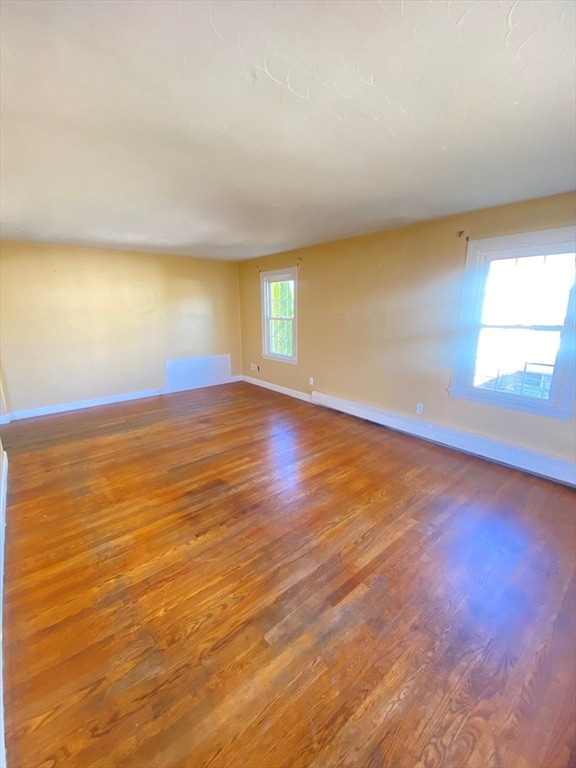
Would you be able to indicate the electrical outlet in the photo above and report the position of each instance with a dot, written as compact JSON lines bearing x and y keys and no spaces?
{"x":252,"y":367}
{"x":419,"y":409}
{"x":311,"y":381}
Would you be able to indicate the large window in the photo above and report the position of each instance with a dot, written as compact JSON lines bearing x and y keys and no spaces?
{"x":279,"y":314}
{"x":516,"y":337}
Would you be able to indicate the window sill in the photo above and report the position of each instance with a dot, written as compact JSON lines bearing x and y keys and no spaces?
{"x":280,"y":359}
{"x":513,"y":403}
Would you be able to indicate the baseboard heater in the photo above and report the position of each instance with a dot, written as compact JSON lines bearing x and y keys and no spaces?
{"x":541,"y":464}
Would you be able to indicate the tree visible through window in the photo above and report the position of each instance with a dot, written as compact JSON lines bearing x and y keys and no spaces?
{"x":516,"y":337}
{"x":279,"y":314}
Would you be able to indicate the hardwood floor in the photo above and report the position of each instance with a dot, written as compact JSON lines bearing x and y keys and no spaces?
{"x":229,"y":577}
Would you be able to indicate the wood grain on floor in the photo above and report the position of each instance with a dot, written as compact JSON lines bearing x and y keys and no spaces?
{"x":229,"y":577}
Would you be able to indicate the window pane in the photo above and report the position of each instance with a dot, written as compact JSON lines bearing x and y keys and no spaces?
{"x":518,"y":362}
{"x":282,"y":298}
{"x":281,"y":337}
{"x":532,"y":290}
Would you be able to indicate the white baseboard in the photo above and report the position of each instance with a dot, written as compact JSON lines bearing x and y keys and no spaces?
{"x":80,"y":404}
{"x":3,"y":493}
{"x":277,"y":388}
{"x":527,"y":460}
{"x":227,"y":380}
{"x":520,"y":458}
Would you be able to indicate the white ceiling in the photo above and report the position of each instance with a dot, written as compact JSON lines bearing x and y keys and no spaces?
{"x":235,"y":129}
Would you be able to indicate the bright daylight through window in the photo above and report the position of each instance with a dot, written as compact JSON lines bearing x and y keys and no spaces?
{"x":279,"y":314}
{"x":516,"y":337}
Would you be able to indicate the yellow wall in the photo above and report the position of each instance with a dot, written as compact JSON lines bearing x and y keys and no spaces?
{"x":378,"y":316}
{"x":78,"y":323}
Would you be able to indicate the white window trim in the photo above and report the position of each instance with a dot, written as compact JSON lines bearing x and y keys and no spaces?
{"x":290,"y":273}
{"x":479,"y":254}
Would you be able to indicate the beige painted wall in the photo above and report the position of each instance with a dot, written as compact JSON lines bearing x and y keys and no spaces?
{"x":378,"y":316}
{"x":78,"y":323}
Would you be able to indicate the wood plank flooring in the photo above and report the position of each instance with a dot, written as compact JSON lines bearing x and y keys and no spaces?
{"x":229,"y":577}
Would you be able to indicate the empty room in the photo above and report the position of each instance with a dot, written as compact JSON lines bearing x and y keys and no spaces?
{"x":288,"y":383}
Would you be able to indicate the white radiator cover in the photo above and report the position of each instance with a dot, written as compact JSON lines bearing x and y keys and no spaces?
{"x":196,"y":372}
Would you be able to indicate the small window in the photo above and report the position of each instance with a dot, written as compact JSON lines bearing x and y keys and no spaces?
{"x":515,"y":343}
{"x":279,"y":315}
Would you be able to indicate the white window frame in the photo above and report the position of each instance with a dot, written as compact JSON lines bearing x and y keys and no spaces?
{"x":266,"y":279}
{"x":560,"y":403}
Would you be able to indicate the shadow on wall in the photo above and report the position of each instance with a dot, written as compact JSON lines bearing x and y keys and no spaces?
{"x":3,"y":403}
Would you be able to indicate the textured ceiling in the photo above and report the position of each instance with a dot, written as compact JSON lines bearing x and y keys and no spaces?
{"x":235,"y":129}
